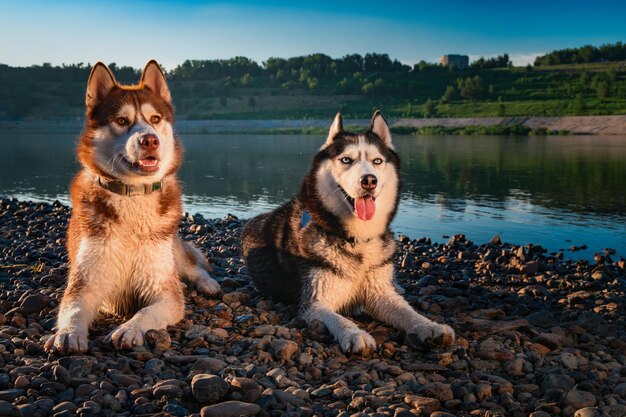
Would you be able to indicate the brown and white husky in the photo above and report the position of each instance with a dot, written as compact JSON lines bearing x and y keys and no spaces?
{"x":330,"y":248}
{"x":125,"y":256}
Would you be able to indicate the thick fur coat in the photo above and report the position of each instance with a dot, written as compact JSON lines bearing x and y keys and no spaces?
{"x":125,"y":256}
{"x":341,"y":260}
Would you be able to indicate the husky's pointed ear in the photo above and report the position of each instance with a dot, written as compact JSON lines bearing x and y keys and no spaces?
{"x":153,"y":78}
{"x":101,"y":82}
{"x":380,"y":128}
{"x":335,"y":129}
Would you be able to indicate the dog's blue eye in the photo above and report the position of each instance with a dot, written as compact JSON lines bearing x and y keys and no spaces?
{"x":377,"y":161}
{"x":346,"y":160}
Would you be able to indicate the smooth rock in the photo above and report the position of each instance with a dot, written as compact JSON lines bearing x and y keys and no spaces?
{"x":283,"y":349}
{"x":158,"y":339}
{"x":230,"y":409}
{"x":580,"y":399}
{"x":208,"y":389}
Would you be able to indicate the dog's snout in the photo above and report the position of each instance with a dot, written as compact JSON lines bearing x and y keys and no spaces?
{"x":149,"y":142}
{"x":369,"y":182}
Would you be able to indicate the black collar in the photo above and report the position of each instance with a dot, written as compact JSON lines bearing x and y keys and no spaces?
{"x":306,"y":219}
{"x":130,"y":190}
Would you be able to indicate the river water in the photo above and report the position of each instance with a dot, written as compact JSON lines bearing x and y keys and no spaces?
{"x":556,"y":191}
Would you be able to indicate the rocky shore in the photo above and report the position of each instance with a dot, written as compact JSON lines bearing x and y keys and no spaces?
{"x":538,"y":336}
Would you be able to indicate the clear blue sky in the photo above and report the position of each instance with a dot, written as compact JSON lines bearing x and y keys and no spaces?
{"x":130,"y":33}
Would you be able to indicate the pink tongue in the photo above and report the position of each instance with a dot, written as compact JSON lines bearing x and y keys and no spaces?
{"x":365,"y":207}
{"x":148,"y":162}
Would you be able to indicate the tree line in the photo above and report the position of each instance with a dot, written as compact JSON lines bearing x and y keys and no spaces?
{"x":41,"y":90}
{"x":584,"y":55}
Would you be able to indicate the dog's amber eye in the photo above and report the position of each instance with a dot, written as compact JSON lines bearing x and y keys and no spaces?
{"x":155,"y":119}
{"x":377,"y":161}
{"x":346,"y":160}
{"x":121,"y":121}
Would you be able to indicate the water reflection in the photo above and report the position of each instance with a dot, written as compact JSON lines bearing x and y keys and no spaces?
{"x":547,"y":190}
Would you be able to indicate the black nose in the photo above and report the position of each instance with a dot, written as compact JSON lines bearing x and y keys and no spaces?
{"x":368,"y":182}
{"x":149,"y":142}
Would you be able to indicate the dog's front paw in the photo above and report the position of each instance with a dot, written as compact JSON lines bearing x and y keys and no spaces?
{"x":125,"y":337}
{"x":433,"y":335}
{"x":207,"y":285}
{"x":66,"y":341}
{"x":357,"y":341}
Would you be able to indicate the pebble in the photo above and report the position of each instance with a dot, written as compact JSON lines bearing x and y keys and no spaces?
{"x":580,"y":399}
{"x":529,"y":342}
{"x":158,"y":339}
{"x":423,"y":405}
{"x":208,"y":389}
{"x":230,"y":409}
{"x":283,"y":349}
{"x":33,"y":304}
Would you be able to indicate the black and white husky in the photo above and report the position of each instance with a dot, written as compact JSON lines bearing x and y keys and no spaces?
{"x":330,"y":248}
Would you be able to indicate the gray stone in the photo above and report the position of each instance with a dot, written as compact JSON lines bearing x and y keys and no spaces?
{"x":235,"y":297}
{"x":158,"y":339}
{"x":230,"y":409}
{"x":196,"y":330}
{"x":34,"y":303}
{"x":11,"y":394}
{"x":27,"y":410}
{"x":9,"y":410}
{"x":62,"y":375}
{"x":568,"y":360}
{"x":620,"y":389}
{"x":263,"y":330}
{"x":65,"y":406}
{"x":169,"y":391}
{"x":438,"y":390}
{"x":562,"y":382}
{"x":424,"y":405}
{"x":550,"y":340}
{"x":212,"y":365}
{"x":208,"y":389}
{"x":580,"y":399}
{"x":283,"y":349}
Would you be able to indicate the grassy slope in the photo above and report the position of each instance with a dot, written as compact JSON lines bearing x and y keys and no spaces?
{"x":542,"y":91}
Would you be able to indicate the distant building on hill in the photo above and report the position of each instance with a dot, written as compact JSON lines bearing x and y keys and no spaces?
{"x":459,"y":61}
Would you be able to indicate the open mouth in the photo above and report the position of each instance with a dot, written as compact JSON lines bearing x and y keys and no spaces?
{"x":364,"y":206}
{"x":147,"y":165}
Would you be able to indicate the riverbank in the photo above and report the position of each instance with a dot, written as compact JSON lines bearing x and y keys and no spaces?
{"x":538,"y":336}
{"x":579,"y":125}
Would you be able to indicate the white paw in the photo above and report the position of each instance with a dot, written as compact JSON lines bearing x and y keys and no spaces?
{"x":66,"y":341}
{"x":431,"y":335}
{"x":207,"y":285}
{"x":126,"y":336}
{"x":356,"y":341}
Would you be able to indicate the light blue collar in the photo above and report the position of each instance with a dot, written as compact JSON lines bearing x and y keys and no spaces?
{"x":306,"y":218}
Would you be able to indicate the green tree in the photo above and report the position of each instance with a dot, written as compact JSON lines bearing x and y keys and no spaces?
{"x":429,"y":108}
{"x":368,"y":88}
{"x":579,"y":106}
{"x":602,"y":89}
{"x":246,"y":80}
{"x":471,"y":87}
{"x":312,"y":83}
{"x":449,"y":95}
